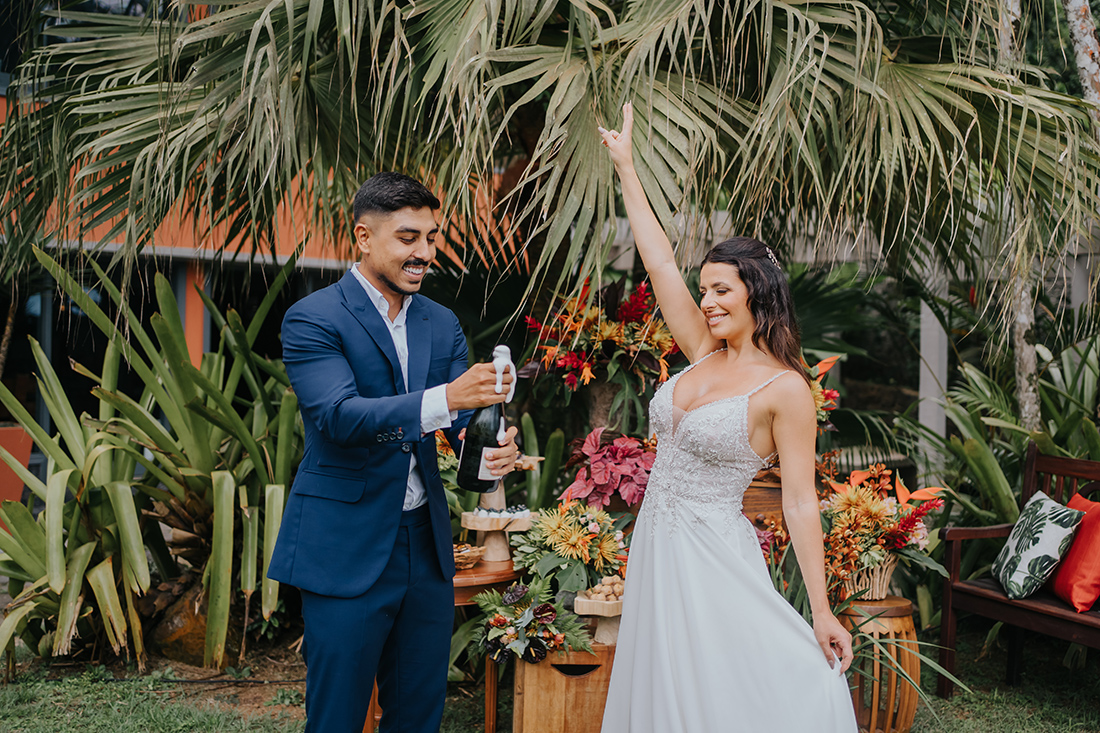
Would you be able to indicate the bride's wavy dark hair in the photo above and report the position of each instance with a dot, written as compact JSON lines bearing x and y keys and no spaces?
{"x":776,"y":326}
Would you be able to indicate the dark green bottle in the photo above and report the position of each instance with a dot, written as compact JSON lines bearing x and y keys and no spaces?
{"x":481,"y":437}
{"x":486,"y":429}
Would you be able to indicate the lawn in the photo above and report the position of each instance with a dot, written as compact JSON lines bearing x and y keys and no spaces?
{"x":267,"y":697}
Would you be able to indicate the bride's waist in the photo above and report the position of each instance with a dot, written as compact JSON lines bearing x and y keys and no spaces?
{"x":689,"y":490}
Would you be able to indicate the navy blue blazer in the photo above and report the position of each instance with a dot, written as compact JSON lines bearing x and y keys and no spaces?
{"x":361,"y":424}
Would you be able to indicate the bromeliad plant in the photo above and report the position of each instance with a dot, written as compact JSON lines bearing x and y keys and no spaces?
{"x":209,"y":463}
{"x":620,"y":465}
{"x":525,"y":622}
{"x":574,"y":544}
{"x":864,"y":524}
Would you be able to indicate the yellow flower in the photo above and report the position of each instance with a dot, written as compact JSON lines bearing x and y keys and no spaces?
{"x":660,"y":337}
{"x":553,"y":523}
{"x":818,"y":393}
{"x":574,"y":545}
{"x":611,"y":331}
{"x":606,"y":551}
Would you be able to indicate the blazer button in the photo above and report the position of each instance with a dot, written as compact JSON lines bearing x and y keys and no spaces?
{"x":406,"y":448}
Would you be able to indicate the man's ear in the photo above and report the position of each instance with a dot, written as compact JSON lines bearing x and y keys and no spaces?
{"x":361,"y":233}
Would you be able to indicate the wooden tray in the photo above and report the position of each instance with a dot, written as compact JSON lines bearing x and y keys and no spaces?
{"x":490,"y":524}
{"x":589,"y":607}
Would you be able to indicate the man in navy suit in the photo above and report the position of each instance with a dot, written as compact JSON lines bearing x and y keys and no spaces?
{"x":366,"y":534}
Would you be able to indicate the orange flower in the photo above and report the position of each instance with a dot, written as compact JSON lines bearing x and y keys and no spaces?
{"x":551,"y":354}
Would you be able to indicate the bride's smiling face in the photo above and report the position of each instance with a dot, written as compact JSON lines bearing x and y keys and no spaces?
{"x":724,"y":301}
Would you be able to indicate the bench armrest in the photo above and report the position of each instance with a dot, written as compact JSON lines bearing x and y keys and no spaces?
{"x":949,"y":534}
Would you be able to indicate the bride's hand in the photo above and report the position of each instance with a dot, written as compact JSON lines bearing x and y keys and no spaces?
{"x":834,"y":640}
{"x":618,"y":143}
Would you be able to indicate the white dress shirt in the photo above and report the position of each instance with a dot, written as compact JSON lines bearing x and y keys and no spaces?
{"x":434,"y":414}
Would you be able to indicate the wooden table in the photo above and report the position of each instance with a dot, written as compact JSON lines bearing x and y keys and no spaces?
{"x":884,"y":700}
{"x":468,"y":583}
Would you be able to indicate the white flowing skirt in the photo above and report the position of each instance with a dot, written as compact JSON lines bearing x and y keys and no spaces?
{"x":706,"y":644}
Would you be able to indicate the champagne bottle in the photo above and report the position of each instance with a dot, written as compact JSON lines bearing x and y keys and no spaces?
{"x":484,"y":432}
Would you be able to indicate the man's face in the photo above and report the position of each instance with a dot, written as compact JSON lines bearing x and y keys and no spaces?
{"x":396,"y":248}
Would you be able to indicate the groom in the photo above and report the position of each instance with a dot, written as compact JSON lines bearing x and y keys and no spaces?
{"x":366,"y":534}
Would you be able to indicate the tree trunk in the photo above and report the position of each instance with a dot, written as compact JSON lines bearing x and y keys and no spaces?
{"x":1022,"y":307}
{"x":1086,"y":49}
{"x":1023,"y":347}
{"x":9,"y":326}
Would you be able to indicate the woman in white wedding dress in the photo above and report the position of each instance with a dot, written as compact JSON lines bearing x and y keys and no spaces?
{"x":706,"y":644}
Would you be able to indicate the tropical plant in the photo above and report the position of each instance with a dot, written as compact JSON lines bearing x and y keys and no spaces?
{"x":613,"y":340}
{"x":208,"y":457}
{"x":864,"y":525}
{"x":609,"y":466}
{"x":895,"y":123}
{"x":573,"y":544}
{"x":524,"y":621}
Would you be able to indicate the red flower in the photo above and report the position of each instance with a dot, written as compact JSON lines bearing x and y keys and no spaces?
{"x":637,"y":306}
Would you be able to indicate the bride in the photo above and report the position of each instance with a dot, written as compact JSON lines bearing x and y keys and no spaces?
{"x":706,"y":644}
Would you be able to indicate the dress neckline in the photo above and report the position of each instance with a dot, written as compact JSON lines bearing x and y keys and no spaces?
{"x":746,"y":395}
{"x":678,"y":424}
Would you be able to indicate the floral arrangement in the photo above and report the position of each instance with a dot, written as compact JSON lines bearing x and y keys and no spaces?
{"x":607,"y":466}
{"x":623,"y":336}
{"x":825,"y":400}
{"x":524,"y":622}
{"x":864,"y":523}
{"x":573,"y":543}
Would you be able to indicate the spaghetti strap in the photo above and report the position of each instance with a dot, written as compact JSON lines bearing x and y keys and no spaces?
{"x":765,"y":384}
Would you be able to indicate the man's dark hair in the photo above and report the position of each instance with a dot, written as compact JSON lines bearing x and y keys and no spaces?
{"x":387,"y":192}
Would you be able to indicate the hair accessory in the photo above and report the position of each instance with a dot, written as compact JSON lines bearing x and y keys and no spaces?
{"x":771,"y":256}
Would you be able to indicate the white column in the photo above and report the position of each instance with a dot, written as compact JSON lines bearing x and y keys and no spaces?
{"x":933,"y":372}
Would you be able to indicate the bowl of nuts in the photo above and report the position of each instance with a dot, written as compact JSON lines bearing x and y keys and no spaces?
{"x":604,"y":599}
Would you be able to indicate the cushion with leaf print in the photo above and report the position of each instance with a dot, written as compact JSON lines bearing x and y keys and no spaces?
{"x":1038,"y":541}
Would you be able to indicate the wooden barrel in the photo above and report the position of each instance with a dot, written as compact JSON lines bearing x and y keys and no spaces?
{"x":884,"y":700}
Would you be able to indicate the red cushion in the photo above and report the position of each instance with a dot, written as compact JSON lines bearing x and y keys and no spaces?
{"x":1076,"y":580}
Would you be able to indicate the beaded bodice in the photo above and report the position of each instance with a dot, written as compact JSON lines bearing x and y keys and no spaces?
{"x":704,"y":460}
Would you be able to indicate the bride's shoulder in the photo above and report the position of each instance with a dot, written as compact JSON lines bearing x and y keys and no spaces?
{"x":788,"y":386}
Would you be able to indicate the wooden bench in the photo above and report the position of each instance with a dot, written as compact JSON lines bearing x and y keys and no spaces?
{"x":1060,"y":479}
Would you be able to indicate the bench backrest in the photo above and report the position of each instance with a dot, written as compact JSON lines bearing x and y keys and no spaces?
{"x":1059,"y":478}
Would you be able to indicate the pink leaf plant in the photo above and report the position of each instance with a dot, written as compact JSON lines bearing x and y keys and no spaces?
{"x":622,"y":465}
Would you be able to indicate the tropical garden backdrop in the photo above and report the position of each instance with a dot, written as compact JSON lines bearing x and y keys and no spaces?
{"x":928,"y":173}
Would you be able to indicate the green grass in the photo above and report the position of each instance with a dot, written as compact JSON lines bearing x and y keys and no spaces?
{"x":1051,"y":699}
{"x":88,"y":702}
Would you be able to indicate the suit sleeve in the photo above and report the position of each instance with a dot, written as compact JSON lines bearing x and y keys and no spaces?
{"x":327,"y":393}
{"x":460,"y":362}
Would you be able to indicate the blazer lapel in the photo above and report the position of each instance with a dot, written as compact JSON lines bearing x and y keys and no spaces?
{"x":419,"y":331}
{"x":359,"y":305}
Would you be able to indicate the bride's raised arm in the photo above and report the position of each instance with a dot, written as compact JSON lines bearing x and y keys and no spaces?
{"x":684,"y":319}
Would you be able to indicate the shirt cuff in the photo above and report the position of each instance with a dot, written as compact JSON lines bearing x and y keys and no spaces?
{"x":434,"y":414}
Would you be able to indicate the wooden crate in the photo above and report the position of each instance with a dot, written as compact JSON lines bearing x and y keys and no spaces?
{"x":564,"y":693}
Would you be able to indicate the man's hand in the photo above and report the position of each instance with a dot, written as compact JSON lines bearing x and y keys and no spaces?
{"x":503,"y":460}
{"x":477,"y":388}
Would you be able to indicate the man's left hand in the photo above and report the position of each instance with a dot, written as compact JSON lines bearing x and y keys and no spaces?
{"x":502,"y":460}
